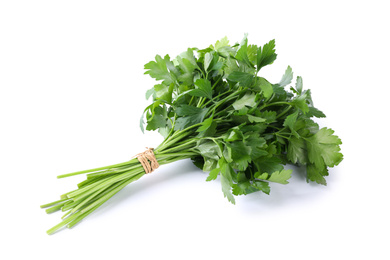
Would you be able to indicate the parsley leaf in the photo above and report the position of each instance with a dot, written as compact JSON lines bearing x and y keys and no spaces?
{"x":287,"y":77}
{"x":277,"y":176}
{"x":203,"y":89}
{"x":323,"y":149}
{"x":242,"y":52}
{"x":189,"y":116}
{"x":266,"y":55}
{"x":159,"y":69}
{"x":243,"y":78}
{"x":248,"y":100}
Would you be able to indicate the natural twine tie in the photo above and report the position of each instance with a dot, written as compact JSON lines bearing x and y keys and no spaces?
{"x":148,"y":160}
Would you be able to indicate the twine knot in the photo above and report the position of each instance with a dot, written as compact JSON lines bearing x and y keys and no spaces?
{"x":148,"y":160}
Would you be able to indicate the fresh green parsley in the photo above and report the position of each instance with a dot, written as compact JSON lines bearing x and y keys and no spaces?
{"x":215,"y":107}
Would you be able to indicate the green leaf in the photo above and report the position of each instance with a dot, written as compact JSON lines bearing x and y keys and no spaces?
{"x":315,"y":174}
{"x":242,"y":188}
{"x":267,"y":164}
{"x":149,"y":93}
{"x":187,"y":69}
{"x":141,"y":123}
{"x":255,"y":119}
{"x":306,"y":127}
{"x":210,"y":131}
{"x":315,"y":112}
{"x":226,"y":189}
{"x":213,"y":174}
{"x":187,"y":110}
{"x":280,"y":176}
{"x":262,"y":186}
{"x":242,"y":52}
{"x":209,"y":164}
{"x":163,"y":93}
{"x":269,"y":116}
{"x":209,"y":149}
{"x":287,"y":77}
{"x":240,"y":154}
{"x":252,"y":53}
{"x":245,"y":186}
{"x":157,"y":121}
{"x":226,"y":179}
{"x":243,"y":78}
{"x":323,"y":149}
{"x":189,"y":55}
{"x":158,"y":69}
{"x":234,"y":134}
{"x":266,"y":55}
{"x":221,"y":43}
{"x":257,"y":144}
{"x":247,"y":100}
{"x":190,"y":115}
{"x":300,"y":102}
{"x":198,"y":161}
{"x":205,"y":125}
{"x":263,"y":85}
{"x":280,"y":94}
{"x":299,"y":85}
{"x":290,"y":122}
{"x":208,"y":58}
{"x":164,"y":131}
{"x":296,"y":150}
{"x":230,"y":66}
{"x":242,"y":112}
{"x":203,"y":90}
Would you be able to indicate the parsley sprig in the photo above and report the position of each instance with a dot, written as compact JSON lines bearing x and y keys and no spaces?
{"x":214,"y":107}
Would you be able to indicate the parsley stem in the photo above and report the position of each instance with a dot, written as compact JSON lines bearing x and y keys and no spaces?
{"x":91,"y":170}
{"x":55,"y":208}
{"x":281,"y":135}
{"x":275,"y":104}
{"x":61,"y":224}
{"x":180,"y":147}
{"x":216,"y":97}
{"x":225,"y":100}
{"x":164,"y":155}
{"x":284,"y":112}
{"x":53,"y":203}
{"x":216,"y":82}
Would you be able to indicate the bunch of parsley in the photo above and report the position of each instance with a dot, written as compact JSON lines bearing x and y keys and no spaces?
{"x":213,"y":106}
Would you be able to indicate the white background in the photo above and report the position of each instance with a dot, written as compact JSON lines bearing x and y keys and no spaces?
{"x":72,"y":92}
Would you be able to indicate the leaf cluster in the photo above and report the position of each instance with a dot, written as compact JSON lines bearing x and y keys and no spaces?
{"x":215,"y":105}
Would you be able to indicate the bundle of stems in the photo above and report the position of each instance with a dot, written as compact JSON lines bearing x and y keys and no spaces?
{"x":104,"y":182}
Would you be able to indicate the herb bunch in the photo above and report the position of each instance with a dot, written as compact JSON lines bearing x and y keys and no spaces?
{"x":214,"y":107}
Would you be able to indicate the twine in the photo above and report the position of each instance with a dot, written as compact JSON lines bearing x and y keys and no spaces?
{"x":148,"y":160}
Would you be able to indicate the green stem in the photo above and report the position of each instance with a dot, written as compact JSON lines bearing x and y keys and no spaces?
{"x":165,"y":155}
{"x":284,"y":112}
{"x":275,"y":104}
{"x":223,"y":101}
{"x":95,"y":169}
{"x":53,"y":203}
{"x":179,"y":147}
{"x":216,"y":97}
{"x":216,"y":82}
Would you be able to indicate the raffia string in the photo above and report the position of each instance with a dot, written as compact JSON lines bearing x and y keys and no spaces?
{"x":148,"y":160}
